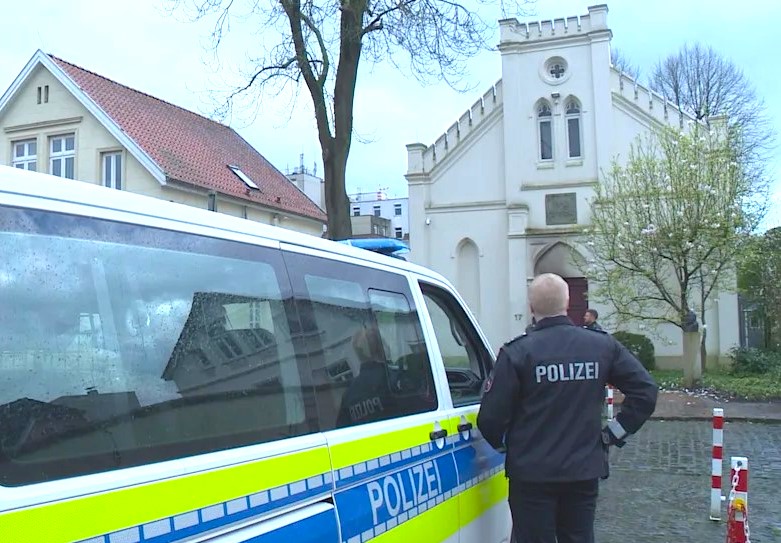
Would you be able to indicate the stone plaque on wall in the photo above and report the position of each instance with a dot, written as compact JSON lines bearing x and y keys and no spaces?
{"x":561,"y":209}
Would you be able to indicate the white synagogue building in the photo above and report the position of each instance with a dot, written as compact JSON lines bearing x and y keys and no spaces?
{"x":500,"y":196}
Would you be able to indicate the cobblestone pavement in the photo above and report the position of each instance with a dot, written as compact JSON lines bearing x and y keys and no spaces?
{"x":659,"y":486}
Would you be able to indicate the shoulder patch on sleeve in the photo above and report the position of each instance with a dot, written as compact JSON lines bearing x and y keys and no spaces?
{"x":517,"y":338}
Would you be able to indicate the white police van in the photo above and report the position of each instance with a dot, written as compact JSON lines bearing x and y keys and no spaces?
{"x":168,"y":374}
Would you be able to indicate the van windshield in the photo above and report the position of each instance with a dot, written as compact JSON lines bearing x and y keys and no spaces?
{"x":122,"y":344}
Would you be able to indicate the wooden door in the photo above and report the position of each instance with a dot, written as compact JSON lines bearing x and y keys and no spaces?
{"x":578,"y":298}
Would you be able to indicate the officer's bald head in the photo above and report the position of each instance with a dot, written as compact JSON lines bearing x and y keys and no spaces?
{"x":548,"y":296}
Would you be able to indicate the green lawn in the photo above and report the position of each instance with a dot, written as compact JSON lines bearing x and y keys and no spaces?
{"x":752,"y":388}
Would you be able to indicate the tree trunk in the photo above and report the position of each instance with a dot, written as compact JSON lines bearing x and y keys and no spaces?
{"x":704,"y":328}
{"x":703,"y":348}
{"x":692,"y":371}
{"x":337,"y":205}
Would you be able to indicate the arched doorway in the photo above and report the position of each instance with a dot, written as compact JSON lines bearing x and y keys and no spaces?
{"x":565,"y":261}
{"x":468,"y":270}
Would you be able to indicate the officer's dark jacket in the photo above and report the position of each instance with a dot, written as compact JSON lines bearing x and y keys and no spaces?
{"x":368,"y":398}
{"x":544,"y":400}
{"x":594,"y":326}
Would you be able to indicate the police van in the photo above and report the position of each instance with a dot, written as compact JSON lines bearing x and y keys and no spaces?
{"x":169,"y":374}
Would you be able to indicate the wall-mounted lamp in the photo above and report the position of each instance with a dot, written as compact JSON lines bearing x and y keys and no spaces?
{"x":555,"y":96}
{"x":428,"y":221}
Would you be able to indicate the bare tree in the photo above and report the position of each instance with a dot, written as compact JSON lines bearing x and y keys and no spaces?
{"x":668,"y":226}
{"x":321,"y":44}
{"x":706,"y":85}
{"x":623,"y":64}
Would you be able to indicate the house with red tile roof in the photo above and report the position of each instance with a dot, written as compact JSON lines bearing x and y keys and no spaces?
{"x":67,"y":121}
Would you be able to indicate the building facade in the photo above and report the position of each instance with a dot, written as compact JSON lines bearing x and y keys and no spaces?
{"x":377,"y":204}
{"x":61,"y":119}
{"x":501,"y":196}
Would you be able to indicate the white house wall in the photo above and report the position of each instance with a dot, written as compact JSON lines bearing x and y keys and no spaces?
{"x":479,"y":226}
{"x":24,"y":118}
{"x":483,"y":179}
{"x":476,"y":167}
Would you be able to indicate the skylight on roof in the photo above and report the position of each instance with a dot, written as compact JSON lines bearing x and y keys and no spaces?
{"x":243,"y":176}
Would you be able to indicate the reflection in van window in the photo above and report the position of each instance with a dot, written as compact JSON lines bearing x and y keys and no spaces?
{"x":122,"y":345}
{"x":369,"y":361}
{"x":467,"y":362}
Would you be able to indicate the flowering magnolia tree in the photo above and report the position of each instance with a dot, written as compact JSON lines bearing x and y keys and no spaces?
{"x":668,"y":225}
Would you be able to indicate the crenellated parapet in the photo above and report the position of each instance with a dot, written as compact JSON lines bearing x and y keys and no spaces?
{"x":649,"y":101}
{"x":425,"y":158}
{"x":512,"y":31}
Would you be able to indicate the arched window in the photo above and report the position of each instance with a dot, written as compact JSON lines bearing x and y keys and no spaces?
{"x":545,"y":125}
{"x":573,"y":128}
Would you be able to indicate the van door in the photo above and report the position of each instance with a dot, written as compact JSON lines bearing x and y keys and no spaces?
{"x":483,"y":511}
{"x":377,"y":400}
{"x":168,"y":403}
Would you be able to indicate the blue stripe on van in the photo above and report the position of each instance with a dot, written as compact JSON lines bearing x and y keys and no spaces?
{"x":168,"y":530}
{"x":381,"y":503}
{"x":320,"y":528}
{"x":459,"y":466}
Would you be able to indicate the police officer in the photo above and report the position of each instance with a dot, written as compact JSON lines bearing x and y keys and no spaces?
{"x":543,"y":403}
{"x":369,"y":397}
{"x":590,"y":319}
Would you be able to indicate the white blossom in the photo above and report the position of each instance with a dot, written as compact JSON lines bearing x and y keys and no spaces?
{"x":638,"y":242}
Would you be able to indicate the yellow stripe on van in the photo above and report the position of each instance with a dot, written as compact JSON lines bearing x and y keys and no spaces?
{"x":77,"y":519}
{"x":367,"y":448}
{"x":434,"y":525}
{"x":480,"y":498}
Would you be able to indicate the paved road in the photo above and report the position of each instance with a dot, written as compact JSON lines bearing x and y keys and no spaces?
{"x":659,"y":488}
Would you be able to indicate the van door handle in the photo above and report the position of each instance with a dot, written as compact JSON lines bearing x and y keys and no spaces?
{"x":437,"y":434}
{"x":465,"y":427}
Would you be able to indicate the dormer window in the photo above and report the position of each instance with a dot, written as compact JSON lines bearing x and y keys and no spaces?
{"x":545,"y":127}
{"x":572,"y":110}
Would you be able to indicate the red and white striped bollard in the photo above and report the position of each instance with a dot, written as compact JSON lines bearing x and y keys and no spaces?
{"x":737,"y":508}
{"x":716,"y":464}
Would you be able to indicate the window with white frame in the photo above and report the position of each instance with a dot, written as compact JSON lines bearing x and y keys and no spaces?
{"x":397,"y":209}
{"x":399,"y":233}
{"x":25,"y":155}
{"x":112,"y":169}
{"x":545,"y":126}
{"x":356,"y":211}
{"x":573,"y":128}
{"x":376,"y":211}
{"x":62,"y":156}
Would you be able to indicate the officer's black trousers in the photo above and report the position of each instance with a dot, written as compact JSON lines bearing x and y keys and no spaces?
{"x":554,"y":512}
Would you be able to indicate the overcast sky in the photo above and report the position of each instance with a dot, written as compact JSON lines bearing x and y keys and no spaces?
{"x":139,"y":44}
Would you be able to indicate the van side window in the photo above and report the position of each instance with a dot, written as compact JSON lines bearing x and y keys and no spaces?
{"x":122,"y":345}
{"x":365,"y":343}
{"x":466,"y":359}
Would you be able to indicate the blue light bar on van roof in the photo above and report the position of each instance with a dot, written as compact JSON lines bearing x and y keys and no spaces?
{"x":386,"y":246}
